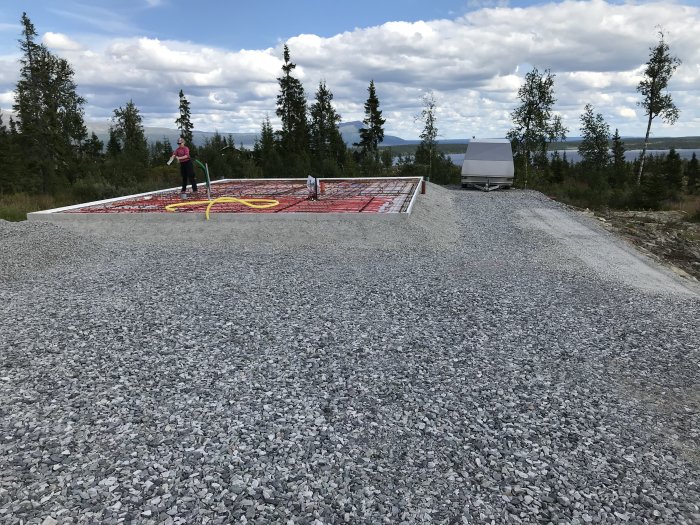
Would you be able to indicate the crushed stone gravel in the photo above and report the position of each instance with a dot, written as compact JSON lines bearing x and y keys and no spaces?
{"x":466,"y":365}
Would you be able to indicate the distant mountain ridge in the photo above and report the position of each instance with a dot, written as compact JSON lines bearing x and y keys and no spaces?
{"x":350,"y":131}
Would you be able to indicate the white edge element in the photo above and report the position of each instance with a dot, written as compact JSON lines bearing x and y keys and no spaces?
{"x":415,"y":196}
{"x":104,"y":201}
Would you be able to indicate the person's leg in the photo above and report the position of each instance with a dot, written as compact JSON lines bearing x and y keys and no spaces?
{"x":183,"y":172}
{"x":193,"y":175}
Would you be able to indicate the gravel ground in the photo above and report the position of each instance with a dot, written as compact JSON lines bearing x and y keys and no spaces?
{"x":472,"y":364}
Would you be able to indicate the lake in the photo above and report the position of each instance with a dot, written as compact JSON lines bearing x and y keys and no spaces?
{"x":573,"y":156}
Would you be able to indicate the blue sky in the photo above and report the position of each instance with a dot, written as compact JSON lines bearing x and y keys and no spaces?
{"x":471,"y":55}
{"x":231,"y":24}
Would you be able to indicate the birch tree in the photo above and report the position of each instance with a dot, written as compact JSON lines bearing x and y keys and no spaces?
{"x":656,"y":101}
{"x":534,"y":123}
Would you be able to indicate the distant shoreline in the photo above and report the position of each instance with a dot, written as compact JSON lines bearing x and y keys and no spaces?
{"x":657,"y":145}
{"x":633,"y":143}
{"x":572,"y":155}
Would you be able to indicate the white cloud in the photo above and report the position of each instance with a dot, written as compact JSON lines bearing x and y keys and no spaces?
{"x":474,"y":65}
{"x":7,"y":99}
{"x":60,"y":42}
{"x":627,"y":112}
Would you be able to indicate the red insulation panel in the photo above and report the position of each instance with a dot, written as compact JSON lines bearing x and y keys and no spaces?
{"x":390,"y":195}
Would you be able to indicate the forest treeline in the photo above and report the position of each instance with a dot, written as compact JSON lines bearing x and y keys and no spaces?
{"x":50,"y":159}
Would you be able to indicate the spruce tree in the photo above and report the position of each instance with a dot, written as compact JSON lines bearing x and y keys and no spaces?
{"x":114,"y":147}
{"x":184,"y":121}
{"x":92,"y":147}
{"x":327,"y":145}
{"x":693,"y":175}
{"x":133,"y":148}
{"x":673,"y":171}
{"x":373,"y":134}
{"x":8,"y":182}
{"x":654,"y":188}
{"x":128,"y":128}
{"x":619,"y":164}
{"x":50,"y":125}
{"x":557,"y":168}
{"x":265,"y":152}
{"x":265,"y":145}
{"x":292,"y":110}
{"x":91,"y":171}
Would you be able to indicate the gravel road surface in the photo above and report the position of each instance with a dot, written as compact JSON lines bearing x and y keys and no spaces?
{"x":493,"y":358}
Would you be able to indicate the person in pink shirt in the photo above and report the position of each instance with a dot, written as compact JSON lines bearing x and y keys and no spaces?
{"x":182,"y":154}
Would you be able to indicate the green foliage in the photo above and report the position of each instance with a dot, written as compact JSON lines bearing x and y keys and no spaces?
{"x":693,"y":176}
{"x":127,"y":157}
{"x":695,"y":215}
{"x":387,"y":158}
{"x":9,"y":160}
{"x":92,"y":188}
{"x":442,"y":170}
{"x":266,"y":153}
{"x":656,"y":101}
{"x":557,"y":168}
{"x":50,"y":115}
{"x":631,"y":143}
{"x":673,"y":174}
{"x":430,"y":131}
{"x":49,"y":161}
{"x":327,"y":147}
{"x":410,"y":149}
{"x":436,"y":166}
{"x":292,"y":111}
{"x":184,"y":121}
{"x":427,"y":153}
{"x":373,"y":134}
{"x":225,"y":160}
{"x":618,"y":174}
{"x":14,"y":207}
{"x":595,"y":134}
{"x":534,"y":125}
{"x":160,"y":151}
{"x":128,"y":130}
{"x":578,"y":185}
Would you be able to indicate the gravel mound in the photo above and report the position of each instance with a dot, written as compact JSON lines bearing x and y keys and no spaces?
{"x":29,"y":248}
{"x":464,"y":365}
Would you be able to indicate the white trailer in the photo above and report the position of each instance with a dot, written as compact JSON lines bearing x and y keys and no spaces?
{"x":488,"y":164}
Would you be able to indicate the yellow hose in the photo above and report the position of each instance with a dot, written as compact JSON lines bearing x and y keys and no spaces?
{"x":252,"y":203}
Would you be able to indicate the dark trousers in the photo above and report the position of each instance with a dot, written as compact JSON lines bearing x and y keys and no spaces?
{"x":187,"y":172}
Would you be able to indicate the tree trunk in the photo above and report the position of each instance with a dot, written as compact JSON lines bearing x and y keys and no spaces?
{"x":527,"y":163}
{"x":644,"y":151}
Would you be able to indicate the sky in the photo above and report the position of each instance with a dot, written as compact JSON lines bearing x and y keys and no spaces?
{"x":471,"y":56}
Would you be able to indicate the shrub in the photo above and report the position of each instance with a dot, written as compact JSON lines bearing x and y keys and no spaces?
{"x":15,"y":206}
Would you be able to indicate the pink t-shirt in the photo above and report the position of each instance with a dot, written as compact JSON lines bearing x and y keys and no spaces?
{"x":182,"y":151}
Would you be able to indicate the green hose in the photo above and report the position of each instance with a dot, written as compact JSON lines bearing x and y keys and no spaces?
{"x":206,"y":174}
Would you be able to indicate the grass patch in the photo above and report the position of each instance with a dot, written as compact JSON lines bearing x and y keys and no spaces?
{"x":688,"y":204}
{"x":16,"y":206}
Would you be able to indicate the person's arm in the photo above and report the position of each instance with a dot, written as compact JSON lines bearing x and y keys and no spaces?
{"x":186,"y":156}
